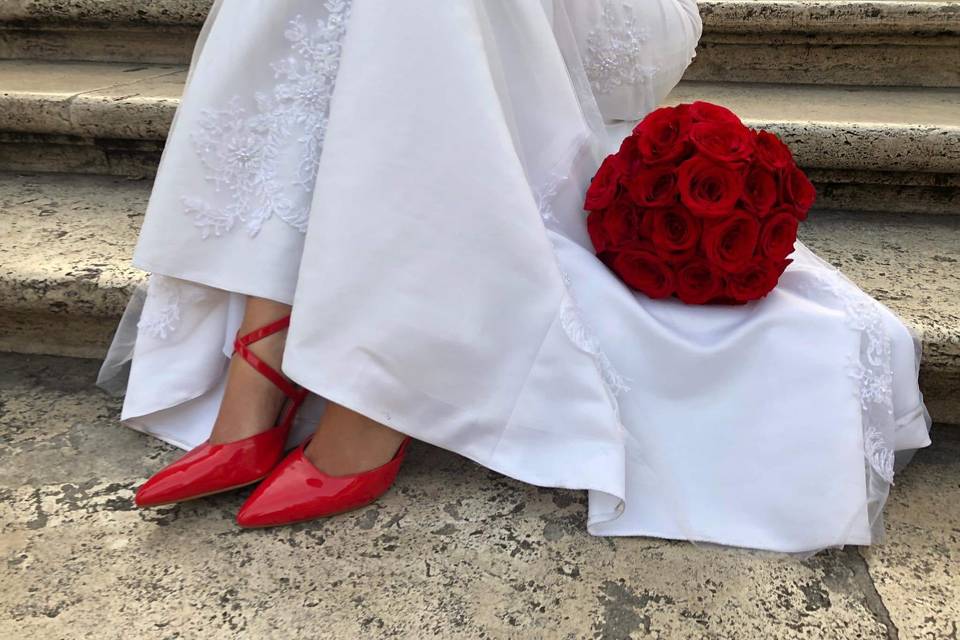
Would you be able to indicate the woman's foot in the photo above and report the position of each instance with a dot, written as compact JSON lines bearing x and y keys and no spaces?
{"x":251,"y":403}
{"x":346,"y":443}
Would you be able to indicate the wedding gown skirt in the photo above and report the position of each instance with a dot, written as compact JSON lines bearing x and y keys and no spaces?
{"x":410,"y":175}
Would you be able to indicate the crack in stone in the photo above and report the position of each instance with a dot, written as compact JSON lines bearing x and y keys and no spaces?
{"x":872,"y":598}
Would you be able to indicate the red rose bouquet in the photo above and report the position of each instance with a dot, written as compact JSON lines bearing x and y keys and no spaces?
{"x":697,"y":205}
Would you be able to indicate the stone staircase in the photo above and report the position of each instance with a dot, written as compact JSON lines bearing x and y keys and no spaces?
{"x":867,"y":94}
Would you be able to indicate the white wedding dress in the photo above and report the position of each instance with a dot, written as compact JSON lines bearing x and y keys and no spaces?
{"x":410,"y":175}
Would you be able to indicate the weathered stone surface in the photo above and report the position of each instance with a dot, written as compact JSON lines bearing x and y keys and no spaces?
{"x":89,"y":100}
{"x":860,"y":17}
{"x":917,"y":570}
{"x":828,"y":42}
{"x":106,"y":12}
{"x":817,"y":42}
{"x":453,"y":551}
{"x":65,"y":273}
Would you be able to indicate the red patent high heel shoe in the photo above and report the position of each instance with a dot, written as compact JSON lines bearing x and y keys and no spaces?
{"x":215,"y":468}
{"x":297,"y":491}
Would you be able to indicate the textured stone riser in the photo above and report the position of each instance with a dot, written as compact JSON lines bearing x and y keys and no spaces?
{"x":927,"y":62}
{"x":123,"y":158}
{"x":830,"y":64}
{"x":98,"y":12}
{"x":75,"y":336}
{"x":861,"y":17}
{"x":853,"y":43}
{"x":160,"y":45}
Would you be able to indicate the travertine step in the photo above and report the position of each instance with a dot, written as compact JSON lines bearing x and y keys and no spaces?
{"x":65,"y":274}
{"x":868,"y":148}
{"x":157,"y":31}
{"x":871,"y":42}
{"x":845,"y":42}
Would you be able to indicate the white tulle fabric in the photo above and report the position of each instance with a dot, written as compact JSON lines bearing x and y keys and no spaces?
{"x":410,"y":176}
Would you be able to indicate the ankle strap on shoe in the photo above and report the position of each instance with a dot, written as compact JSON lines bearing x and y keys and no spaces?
{"x":242,"y":346}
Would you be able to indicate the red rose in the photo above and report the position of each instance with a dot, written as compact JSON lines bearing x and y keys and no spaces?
{"x":729,"y":244}
{"x":778,"y":236}
{"x":662,"y":135}
{"x":628,"y":158}
{"x":751,"y":283}
{"x":698,"y":282}
{"x":654,"y":187}
{"x":758,"y":279}
{"x":709,"y":189}
{"x":759,"y":191}
{"x":645,"y":272}
{"x":621,"y":222}
{"x":604,"y":186}
{"x":709,"y":112}
{"x":771,"y":152}
{"x":797,"y":190}
{"x":673,"y":231}
{"x":724,"y":142}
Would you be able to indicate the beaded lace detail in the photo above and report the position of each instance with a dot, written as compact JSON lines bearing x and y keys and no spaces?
{"x":247,"y":152}
{"x":614,"y":50}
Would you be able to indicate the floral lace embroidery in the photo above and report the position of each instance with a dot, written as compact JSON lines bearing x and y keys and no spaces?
{"x":872,"y":369}
{"x":161,"y":310}
{"x":245,"y":150}
{"x":614,"y":55}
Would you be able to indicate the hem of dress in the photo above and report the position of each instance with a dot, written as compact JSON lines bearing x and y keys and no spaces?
{"x":917,"y":421}
{"x":657,"y":535}
{"x":132,"y":423}
{"x":332,"y":392}
{"x":206,"y":279}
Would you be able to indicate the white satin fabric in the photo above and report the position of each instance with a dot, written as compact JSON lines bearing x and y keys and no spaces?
{"x":443,"y":283}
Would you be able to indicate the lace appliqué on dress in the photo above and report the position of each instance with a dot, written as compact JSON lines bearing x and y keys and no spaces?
{"x":872,"y":370}
{"x":571,"y":318}
{"x":161,"y":313}
{"x":614,"y":50}
{"x":245,"y":149}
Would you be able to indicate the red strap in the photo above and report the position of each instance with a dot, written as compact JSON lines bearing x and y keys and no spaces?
{"x":241,"y":345}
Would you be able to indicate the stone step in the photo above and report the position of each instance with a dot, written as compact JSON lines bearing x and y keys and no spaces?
{"x":867,"y":148}
{"x":469,"y":553}
{"x":846,"y":42}
{"x":872,"y":42}
{"x":158,"y":31}
{"x":65,"y":275}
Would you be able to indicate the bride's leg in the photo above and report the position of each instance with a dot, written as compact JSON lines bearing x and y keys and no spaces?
{"x":347,"y":442}
{"x":251,"y":402}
